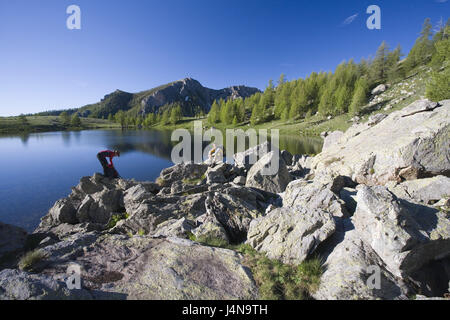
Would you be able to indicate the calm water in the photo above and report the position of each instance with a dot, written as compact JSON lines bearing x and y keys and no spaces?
{"x":38,"y":169}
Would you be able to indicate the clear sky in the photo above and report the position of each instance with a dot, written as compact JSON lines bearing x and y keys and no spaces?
{"x":136,"y":45}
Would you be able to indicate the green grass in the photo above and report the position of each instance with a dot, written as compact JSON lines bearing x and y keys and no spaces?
{"x":278,"y":281}
{"x":116,"y":218}
{"x":275,"y":280}
{"x":194,"y":180}
{"x":49,"y":123}
{"x":30,"y":259}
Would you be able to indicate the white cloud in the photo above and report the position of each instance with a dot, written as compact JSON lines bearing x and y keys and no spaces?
{"x":350,"y":19}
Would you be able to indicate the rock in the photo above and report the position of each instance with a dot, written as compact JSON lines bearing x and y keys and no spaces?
{"x":216,"y":174}
{"x":269,"y":173}
{"x":64,"y":212}
{"x":379,"y":89}
{"x":183,"y":171}
{"x":428,"y":190}
{"x":147,"y":211}
{"x":348,"y":269}
{"x":287,"y":157}
{"x":12,"y":240}
{"x":348,"y":195}
{"x":331,"y":139}
{"x":144,"y":268}
{"x":240,"y":180}
{"x":314,"y":195}
{"x":19,"y":285}
{"x":290,"y":234}
{"x":234,"y":208}
{"x":210,"y":228}
{"x":174,"y":228}
{"x":250,"y":156}
{"x":413,"y":138}
{"x":405,"y":236}
{"x":376,"y":118}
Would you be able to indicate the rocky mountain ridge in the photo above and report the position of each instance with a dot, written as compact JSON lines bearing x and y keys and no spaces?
{"x":188,"y":92}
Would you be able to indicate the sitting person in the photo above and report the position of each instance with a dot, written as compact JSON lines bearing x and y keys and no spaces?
{"x":108,"y":168}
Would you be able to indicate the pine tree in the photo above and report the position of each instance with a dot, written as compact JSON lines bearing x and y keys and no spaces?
{"x":120,"y":118}
{"x":213,"y":115}
{"x":64,"y":118}
{"x":76,"y":121}
{"x":343,"y":99}
{"x":395,"y":71}
{"x":359,"y":97}
{"x":423,"y":48}
{"x":176,"y":114}
{"x":165,"y":117}
{"x":378,"y":69}
{"x":327,"y":103}
{"x":439,"y":86}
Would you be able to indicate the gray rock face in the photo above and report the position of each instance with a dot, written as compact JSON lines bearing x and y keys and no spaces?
{"x":287,"y":157}
{"x":379,"y":89}
{"x":19,"y":285}
{"x":275,"y":183}
{"x":290,"y":234}
{"x":12,"y":240}
{"x":190,"y":93}
{"x":64,"y":212}
{"x":426,"y":190}
{"x":235,"y":208}
{"x":184,"y":171}
{"x":314,"y":195}
{"x":377,"y":118}
{"x":140,"y":267}
{"x":250,"y":156}
{"x":331,"y":139}
{"x":405,"y":239}
{"x":348,"y":272}
{"x":210,"y":228}
{"x":408,"y":144}
{"x":240,"y":180}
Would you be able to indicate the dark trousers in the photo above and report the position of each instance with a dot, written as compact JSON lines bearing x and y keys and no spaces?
{"x":107,"y":171}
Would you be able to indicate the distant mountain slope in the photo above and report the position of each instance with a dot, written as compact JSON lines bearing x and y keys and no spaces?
{"x":189,"y":93}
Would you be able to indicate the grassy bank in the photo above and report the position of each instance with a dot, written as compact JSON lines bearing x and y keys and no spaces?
{"x":13,"y":125}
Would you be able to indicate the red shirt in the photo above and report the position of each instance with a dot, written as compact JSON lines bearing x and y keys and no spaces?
{"x":108,"y":154}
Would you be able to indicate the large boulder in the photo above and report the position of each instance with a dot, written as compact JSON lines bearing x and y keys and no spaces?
{"x":290,"y":234}
{"x":261,"y":177}
{"x":12,"y":240}
{"x":379,"y":89}
{"x":145,"y":268}
{"x":331,"y":139}
{"x":184,"y":171}
{"x":348,"y":271}
{"x":408,"y":144}
{"x":63,"y":212}
{"x":234,"y":208}
{"x":20,"y":285}
{"x":405,"y":236}
{"x":250,"y":156}
{"x":314,"y":194}
{"x":426,"y":190}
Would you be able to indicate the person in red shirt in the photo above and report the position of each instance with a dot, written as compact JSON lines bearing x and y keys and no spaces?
{"x":108,"y":168}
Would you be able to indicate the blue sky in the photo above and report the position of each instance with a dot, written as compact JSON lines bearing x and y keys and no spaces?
{"x":135,"y":45}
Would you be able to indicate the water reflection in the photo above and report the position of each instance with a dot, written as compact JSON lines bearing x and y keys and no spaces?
{"x":41,"y":168}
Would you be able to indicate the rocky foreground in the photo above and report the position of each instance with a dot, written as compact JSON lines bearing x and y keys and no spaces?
{"x":376,"y":198}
